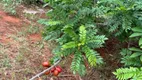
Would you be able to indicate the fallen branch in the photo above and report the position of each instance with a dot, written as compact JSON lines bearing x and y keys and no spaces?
{"x":41,"y":73}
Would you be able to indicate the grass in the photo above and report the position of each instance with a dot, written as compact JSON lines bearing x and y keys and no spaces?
{"x":5,"y":63}
{"x":31,"y":29}
{"x":10,"y":6}
{"x":31,"y":16}
{"x":4,"y":60}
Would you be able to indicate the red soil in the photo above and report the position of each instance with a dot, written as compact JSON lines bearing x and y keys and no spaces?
{"x":11,"y":19}
{"x":34,"y":37}
{"x":8,"y":25}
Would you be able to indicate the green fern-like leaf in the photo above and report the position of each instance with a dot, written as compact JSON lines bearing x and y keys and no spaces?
{"x":92,"y":56}
{"x":129,"y":58}
{"x":68,"y":45}
{"x":82,"y":34}
{"x":62,"y":53}
{"x":137,"y":29}
{"x":128,"y":73}
{"x":63,"y":39}
{"x":68,"y":30}
{"x":76,"y":63}
{"x":96,"y":41}
{"x":49,"y":22}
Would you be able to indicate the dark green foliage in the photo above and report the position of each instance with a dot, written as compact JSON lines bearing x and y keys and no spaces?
{"x":72,"y":26}
{"x":121,"y":15}
{"x":137,"y":33}
{"x":131,"y":73}
{"x":133,"y":58}
{"x":129,"y":58}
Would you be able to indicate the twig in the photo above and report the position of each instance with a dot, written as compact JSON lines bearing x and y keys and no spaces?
{"x":67,"y":75}
{"x":41,"y":73}
{"x":80,"y":78}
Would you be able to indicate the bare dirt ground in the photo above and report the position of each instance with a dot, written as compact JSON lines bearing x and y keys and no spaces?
{"x":21,"y":51}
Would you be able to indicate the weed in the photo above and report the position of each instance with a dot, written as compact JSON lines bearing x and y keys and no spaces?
{"x":20,"y":58}
{"x":5,"y":63}
{"x":33,"y":29}
{"x":30,"y":16}
{"x":10,"y":5}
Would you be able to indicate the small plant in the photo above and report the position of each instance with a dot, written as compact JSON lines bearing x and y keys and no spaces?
{"x":132,"y":73}
{"x":32,"y":29}
{"x":72,"y":26}
{"x":129,"y":58}
{"x":137,"y":33}
{"x":10,"y":5}
{"x":5,"y":63}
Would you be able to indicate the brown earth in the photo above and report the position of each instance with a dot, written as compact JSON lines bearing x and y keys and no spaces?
{"x":20,"y":53}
